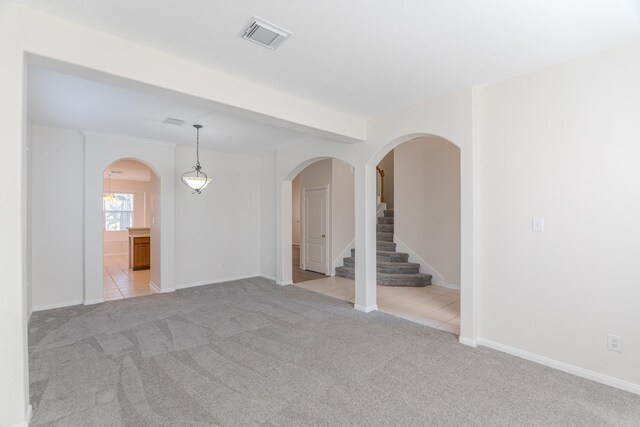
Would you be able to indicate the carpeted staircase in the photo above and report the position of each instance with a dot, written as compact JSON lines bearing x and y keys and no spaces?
{"x":393,"y":267}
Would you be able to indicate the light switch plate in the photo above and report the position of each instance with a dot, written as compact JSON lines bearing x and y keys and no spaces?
{"x":538,"y":224}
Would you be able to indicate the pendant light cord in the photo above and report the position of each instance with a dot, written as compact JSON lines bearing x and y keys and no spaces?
{"x":198,"y":146}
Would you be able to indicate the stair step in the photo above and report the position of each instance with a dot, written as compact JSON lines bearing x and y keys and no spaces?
{"x":349,"y":262}
{"x":415,"y":280}
{"x":387,"y":256}
{"x":346,"y":272}
{"x":384,"y":237}
{"x":388,"y":212}
{"x":391,"y":256}
{"x":384,"y":228}
{"x":385,"y":220}
{"x":387,"y":266}
{"x":387,"y":279}
{"x":397,"y":267}
{"x":386,"y":246}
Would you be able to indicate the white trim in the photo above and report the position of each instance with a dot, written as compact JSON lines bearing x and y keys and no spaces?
{"x":467,"y":341}
{"x":56,"y":305}
{"x":128,"y":138}
{"x":380,"y":209}
{"x":284,"y":283}
{"x":93,"y":301}
{"x":562,"y":366}
{"x":27,"y":419}
{"x":366,"y":309}
{"x":214,"y":281}
{"x":425,"y":267}
{"x":303,"y":225}
{"x":266,"y":276}
{"x":339,"y":262}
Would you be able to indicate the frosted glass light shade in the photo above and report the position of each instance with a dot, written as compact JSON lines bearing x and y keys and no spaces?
{"x":196,"y":182}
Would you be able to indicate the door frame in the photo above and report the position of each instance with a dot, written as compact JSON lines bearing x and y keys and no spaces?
{"x":303,"y":225}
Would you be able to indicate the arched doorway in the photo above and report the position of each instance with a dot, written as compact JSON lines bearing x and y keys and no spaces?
{"x":418,"y":230}
{"x":130,"y":204}
{"x":322,"y":225}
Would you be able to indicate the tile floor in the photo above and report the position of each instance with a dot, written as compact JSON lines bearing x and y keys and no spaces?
{"x":120,"y":282}
{"x":432,"y":306}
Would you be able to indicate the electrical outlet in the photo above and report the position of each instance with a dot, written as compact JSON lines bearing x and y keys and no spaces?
{"x":614,"y":343}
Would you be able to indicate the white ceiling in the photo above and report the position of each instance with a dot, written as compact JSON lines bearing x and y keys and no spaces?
{"x":367,"y":57}
{"x":67,"y":101}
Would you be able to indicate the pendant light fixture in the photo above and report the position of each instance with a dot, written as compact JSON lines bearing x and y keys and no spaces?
{"x":196,"y":179}
{"x":109,"y":196}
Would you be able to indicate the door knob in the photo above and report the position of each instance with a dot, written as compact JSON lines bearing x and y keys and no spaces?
{"x":323,"y":235}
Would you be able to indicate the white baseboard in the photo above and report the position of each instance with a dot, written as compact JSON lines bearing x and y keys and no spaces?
{"x":93,"y":301}
{"x":284,"y":283}
{"x":214,"y":281}
{"x":266,"y":276}
{"x":425,"y":267}
{"x":56,"y":305}
{"x":27,"y":418}
{"x":467,"y":341}
{"x":339,"y":262}
{"x":161,"y":290}
{"x":366,"y":309}
{"x":562,"y":366}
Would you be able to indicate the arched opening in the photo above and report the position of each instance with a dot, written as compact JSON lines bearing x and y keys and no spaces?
{"x":322,"y":224}
{"x":418,"y":231}
{"x":130,"y":243}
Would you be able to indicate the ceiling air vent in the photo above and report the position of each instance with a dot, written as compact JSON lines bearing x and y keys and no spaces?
{"x":172,"y":121}
{"x":264,"y":33}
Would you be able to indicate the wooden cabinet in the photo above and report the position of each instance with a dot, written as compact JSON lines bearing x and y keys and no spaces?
{"x":140,"y":252}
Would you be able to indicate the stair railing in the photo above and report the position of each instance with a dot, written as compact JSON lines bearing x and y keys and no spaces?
{"x":380,"y":182}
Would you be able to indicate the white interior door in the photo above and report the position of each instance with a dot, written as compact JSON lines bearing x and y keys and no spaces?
{"x":315,"y":230}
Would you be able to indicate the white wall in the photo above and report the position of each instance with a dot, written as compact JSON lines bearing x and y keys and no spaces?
{"x":57,"y":212}
{"x":156,"y":226}
{"x":387,"y":165}
{"x":343,"y":230}
{"x":427,"y":208}
{"x":14,"y":387}
{"x":563,"y":144}
{"x":316,"y":174}
{"x":295,"y":206}
{"x":217,"y":235}
{"x":117,"y":242}
{"x":268,"y":216}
